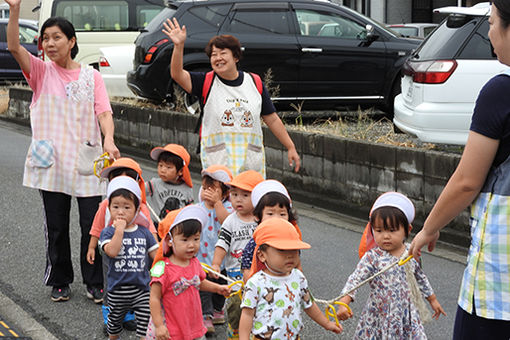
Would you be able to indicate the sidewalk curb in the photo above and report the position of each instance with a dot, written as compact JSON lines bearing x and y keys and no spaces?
{"x":23,"y":321}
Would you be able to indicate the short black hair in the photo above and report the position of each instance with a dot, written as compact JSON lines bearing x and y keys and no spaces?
{"x":209,"y":182}
{"x":66,"y":27}
{"x":270,"y":200}
{"x":393,"y":218}
{"x":126,"y":194}
{"x":126,"y":171}
{"x":224,"y":41}
{"x":503,"y":7}
{"x":188,"y":228}
{"x":169,"y":157}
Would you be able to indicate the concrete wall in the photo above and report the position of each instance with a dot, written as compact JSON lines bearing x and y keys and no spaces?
{"x":337,"y":173}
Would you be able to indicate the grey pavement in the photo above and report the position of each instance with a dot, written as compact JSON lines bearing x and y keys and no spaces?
{"x":25,"y":303}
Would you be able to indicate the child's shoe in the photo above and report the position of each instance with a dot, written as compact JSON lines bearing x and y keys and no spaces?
{"x":218,"y":317}
{"x":209,"y":325}
{"x":60,"y":293}
{"x":95,"y":293}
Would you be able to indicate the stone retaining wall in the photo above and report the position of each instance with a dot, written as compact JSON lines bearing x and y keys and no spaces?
{"x":337,"y":173}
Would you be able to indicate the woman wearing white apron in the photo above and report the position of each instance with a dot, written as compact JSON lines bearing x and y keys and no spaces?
{"x":69,"y":103}
{"x":231,"y":132}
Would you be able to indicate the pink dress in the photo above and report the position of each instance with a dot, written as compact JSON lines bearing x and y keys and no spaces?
{"x":63,"y":117}
{"x":181,"y":299}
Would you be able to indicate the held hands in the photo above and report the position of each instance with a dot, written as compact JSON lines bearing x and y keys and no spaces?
{"x":421,"y":239}
{"x":162,"y":333}
{"x":216,"y":268}
{"x":174,"y":31}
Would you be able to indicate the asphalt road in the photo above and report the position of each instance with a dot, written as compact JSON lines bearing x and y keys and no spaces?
{"x":333,"y":256}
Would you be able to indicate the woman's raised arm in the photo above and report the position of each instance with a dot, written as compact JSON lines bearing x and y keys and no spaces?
{"x":19,"y":53}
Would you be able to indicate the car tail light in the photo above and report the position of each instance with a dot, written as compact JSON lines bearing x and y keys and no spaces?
{"x":152,"y":50}
{"x":430,"y":72}
{"x":103,"y":62}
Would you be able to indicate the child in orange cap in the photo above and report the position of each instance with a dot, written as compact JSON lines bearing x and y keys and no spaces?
{"x":173,"y":188}
{"x":276,"y":291}
{"x":177,"y":278}
{"x":235,"y":232}
{"x":214,"y":198}
{"x":126,"y":167}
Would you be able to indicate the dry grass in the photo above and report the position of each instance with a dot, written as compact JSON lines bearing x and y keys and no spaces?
{"x":4,"y":100}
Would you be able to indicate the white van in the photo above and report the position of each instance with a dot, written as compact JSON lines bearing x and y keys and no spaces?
{"x":101,"y":23}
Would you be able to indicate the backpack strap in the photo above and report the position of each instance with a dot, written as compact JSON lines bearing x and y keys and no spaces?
{"x":209,"y":77}
{"x":257,"y":81}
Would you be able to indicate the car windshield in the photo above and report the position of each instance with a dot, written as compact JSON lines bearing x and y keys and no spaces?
{"x":156,"y":24}
{"x":447,"y":39}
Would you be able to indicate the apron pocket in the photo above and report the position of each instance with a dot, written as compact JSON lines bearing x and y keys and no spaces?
{"x":216,"y":154}
{"x":87,"y":154}
{"x":42,"y":153}
{"x":254,"y":158}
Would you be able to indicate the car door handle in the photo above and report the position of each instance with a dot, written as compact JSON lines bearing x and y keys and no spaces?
{"x":312,"y":50}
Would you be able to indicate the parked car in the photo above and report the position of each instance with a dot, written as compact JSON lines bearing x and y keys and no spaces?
{"x":9,"y":68}
{"x":418,"y":30}
{"x":114,"y":63}
{"x":443,"y":77}
{"x":317,"y":51}
{"x":101,"y":23}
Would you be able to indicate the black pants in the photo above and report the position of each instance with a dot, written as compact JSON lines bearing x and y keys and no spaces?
{"x":473,"y":327}
{"x":59,"y":268}
{"x":211,"y":301}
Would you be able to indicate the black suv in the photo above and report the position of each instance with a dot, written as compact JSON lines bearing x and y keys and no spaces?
{"x":317,"y":51}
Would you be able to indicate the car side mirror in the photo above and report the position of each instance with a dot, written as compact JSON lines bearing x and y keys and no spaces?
{"x":367,"y":35}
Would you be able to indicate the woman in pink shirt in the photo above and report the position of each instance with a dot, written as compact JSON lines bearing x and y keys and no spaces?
{"x":69,"y":100}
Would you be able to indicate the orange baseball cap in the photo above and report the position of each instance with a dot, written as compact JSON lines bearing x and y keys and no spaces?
{"x":218,"y":172}
{"x":277,"y":233}
{"x":129,"y":163}
{"x":179,"y":151}
{"x":246,"y":180}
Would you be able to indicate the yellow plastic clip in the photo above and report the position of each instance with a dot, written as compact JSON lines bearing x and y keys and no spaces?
{"x":403,"y":261}
{"x":205,"y":266}
{"x":331,"y":310}
{"x":239,"y":291}
{"x":102,"y":162}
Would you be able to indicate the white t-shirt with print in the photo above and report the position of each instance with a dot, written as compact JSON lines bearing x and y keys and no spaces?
{"x":278,"y":302}
{"x":234,"y":235}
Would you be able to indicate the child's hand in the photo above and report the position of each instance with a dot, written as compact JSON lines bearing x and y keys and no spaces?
{"x":343,"y":313}
{"x":436,"y":307}
{"x":224,"y":290}
{"x":211,"y":194}
{"x":332,"y":326}
{"x":91,"y":255}
{"x":162,"y":333}
{"x":119,"y":224}
{"x":216,"y":268}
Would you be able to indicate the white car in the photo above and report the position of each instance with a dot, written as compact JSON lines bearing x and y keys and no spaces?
{"x":114,"y":63}
{"x":442,"y":79}
{"x":419,"y":30}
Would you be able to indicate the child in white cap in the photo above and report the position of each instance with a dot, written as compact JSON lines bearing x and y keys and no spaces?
{"x":214,"y":198}
{"x":177,"y":279}
{"x":128,"y":248}
{"x":390,"y":310}
{"x":269,"y":198}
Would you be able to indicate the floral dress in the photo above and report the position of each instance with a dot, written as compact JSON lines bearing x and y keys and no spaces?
{"x":388,"y":312}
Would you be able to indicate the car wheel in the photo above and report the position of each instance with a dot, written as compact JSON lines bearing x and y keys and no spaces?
{"x":389,"y":107}
{"x":192,"y":103}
